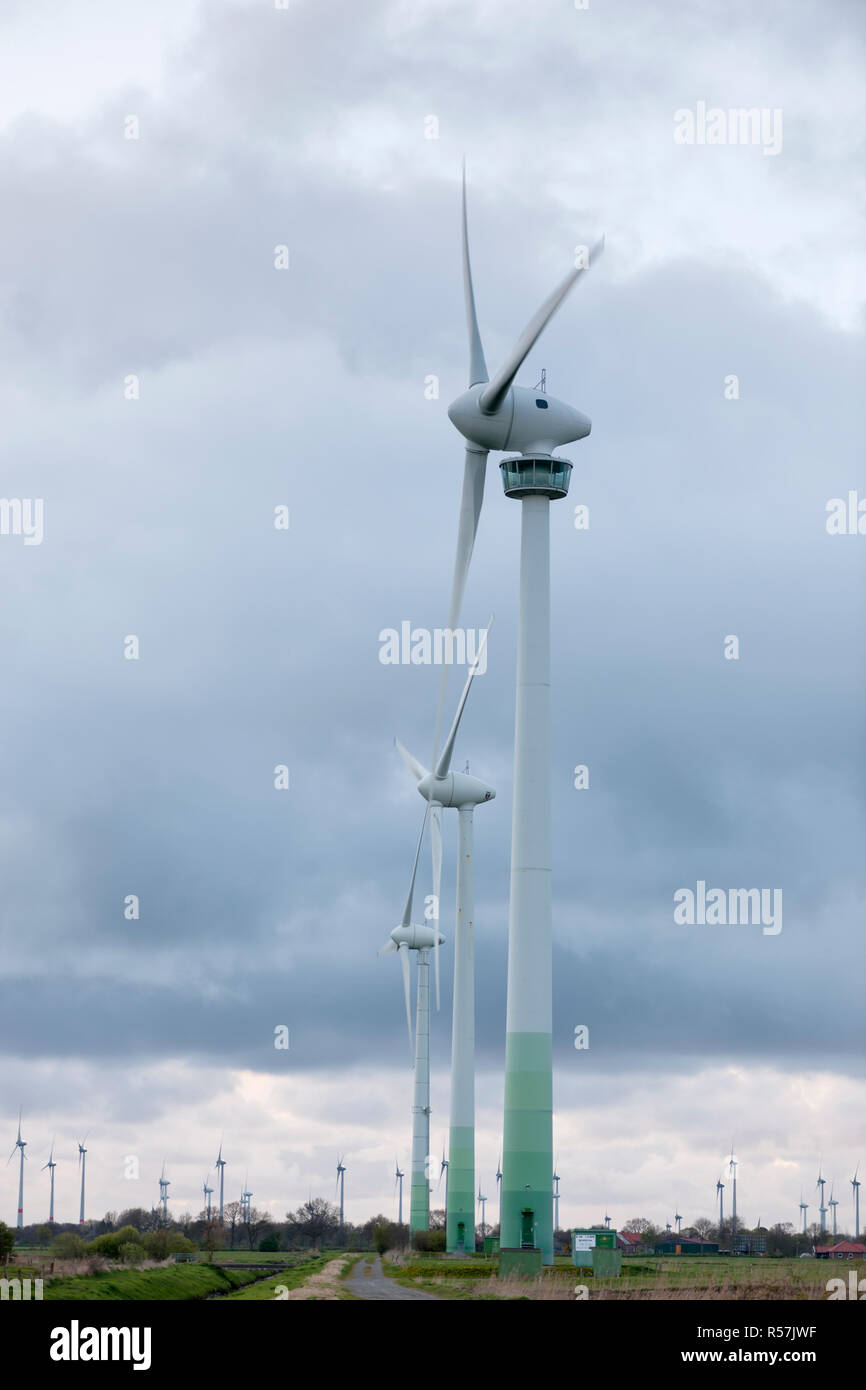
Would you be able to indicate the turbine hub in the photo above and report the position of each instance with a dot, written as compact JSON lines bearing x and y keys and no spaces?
{"x":416,"y":936}
{"x":455,"y":789}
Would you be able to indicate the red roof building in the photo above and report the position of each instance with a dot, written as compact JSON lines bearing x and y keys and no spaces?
{"x":844,"y":1250}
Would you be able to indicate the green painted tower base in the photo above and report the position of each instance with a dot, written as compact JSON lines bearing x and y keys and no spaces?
{"x":460,"y":1214}
{"x":519,"y":1264}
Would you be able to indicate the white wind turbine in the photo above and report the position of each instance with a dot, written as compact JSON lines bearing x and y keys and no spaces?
{"x":164,"y":1184}
{"x":855,"y":1188}
{"x":443,"y":788}
{"x":208,"y":1193}
{"x":50,"y":1165}
{"x":21,"y":1145}
{"x":496,"y":414}
{"x":220,"y":1166}
{"x":82,"y":1163}
{"x":341,"y":1178}
{"x":412,"y":936}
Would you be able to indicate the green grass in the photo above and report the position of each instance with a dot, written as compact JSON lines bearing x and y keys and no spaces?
{"x":171,"y":1284}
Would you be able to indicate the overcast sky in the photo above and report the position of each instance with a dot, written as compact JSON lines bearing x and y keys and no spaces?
{"x":154,"y":257}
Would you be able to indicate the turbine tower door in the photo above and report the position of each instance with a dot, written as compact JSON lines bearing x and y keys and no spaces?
{"x":527,"y":1234}
{"x":461,"y":1236}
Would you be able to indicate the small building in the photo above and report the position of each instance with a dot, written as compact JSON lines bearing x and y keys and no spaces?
{"x":674,"y":1244}
{"x":843,"y":1250}
{"x":629,"y":1242}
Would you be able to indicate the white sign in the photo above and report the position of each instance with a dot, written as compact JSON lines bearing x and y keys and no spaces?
{"x":584,"y":1242}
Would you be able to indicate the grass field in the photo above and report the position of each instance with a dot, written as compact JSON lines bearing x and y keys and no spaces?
{"x":651,"y":1278}
{"x":169,"y":1283}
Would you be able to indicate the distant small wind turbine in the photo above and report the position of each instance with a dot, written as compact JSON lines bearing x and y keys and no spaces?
{"x":82,"y":1163}
{"x":220,"y":1165}
{"x":855,"y":1187}
{"x":164,"y":1185}
{"x":20,"y":1144}
{"x":50,"y":1165}
{"x":340,"y":1182}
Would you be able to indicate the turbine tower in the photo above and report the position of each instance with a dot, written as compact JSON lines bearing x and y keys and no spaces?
{"x":732,"y":1169}
{"x":21,"y":1145}
{"x":482,"y":1202}
{"x":208,"y":1192}
{"x":822,"y":1209}
{"x":50,"y":1165}
{"x":341,"y":1171}
{"x":679,"y":1221}
{"x":399,"y":1175}
{"x":607,"y":1221}
{"x":82,"y":1163}
{"x":499,"y":1189}
{"x":220,"y":1165}
{"x":720,"y":1193}
{"x":855,"y":1187}
{"x":833,"y":1204}
{"x":555,"y":1199}
{"x":247,"y":1205}
{"x":408,"y":937}
{"x":440,"y":789}
{"x":496,"y":414}
{"x":804,"y":1207}
{"x":164,"y":1185}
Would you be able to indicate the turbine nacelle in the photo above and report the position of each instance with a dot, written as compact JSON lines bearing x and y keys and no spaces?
{"x":527,"y":421}
{"x":455,"y":789}
{"x":416,"y":936}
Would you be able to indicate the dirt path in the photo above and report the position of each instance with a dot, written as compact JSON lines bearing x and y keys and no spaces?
{"x":378,"y":1286}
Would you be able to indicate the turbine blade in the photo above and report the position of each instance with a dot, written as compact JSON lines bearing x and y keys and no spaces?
{"x":474,"y":470}
{"x":477,"y":365}
{"x":413,"y":764}
{"x":407,"y":993}
{"x":436,"y":840}
{"x":447,"y":751}
{"x":407,"y":910}
{"x":497,"y":389}
{"x":388,"y":948}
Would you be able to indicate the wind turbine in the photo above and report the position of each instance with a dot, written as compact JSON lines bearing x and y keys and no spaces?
{"x":607,"y":1221}
{"x":483,"y":1204}
{"x":82,"y":1163}
{"x":398,"y":1179}
{"x":804,"y":1207}
{"x":208,"y":1191}
{"x":443,"y":788}
{"x":247,"y":1205}
{"x":220,"y":1165}
{"x":679,"y":1221}
{"x":20,"y":1144}
{"x":822,"y":1209}
{"x":50,"y":1165}
{"x":732,"y":1168}
{"x":720,"y":1193}
{"x":496,"y":414}
{"x":164,"y":1185}
{"x":411,"y":936}
{"x":555,"y":1198}
{"x":855,"y":1187}
{"x":443,"y":1168}
{"x":340,"y":1183}
{"x":833,"y":1204}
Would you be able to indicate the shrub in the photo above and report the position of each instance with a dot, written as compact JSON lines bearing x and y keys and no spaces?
{"x":110,"y":1244}
{"x":270,"y":1242}
{"x":68,"y":1246}
{"x":131,"y":1252}
{"x":429,"y":1240}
